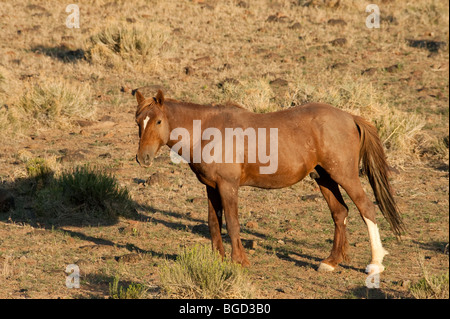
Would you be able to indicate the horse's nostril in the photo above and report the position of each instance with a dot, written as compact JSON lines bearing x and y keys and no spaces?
{"x":137,"y":159}
{"x":147,"y":158}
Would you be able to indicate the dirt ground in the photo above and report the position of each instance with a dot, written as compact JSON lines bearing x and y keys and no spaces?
{"x":287,"y":232}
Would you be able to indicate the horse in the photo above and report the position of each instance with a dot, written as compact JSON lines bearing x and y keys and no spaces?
{"x":316,"y":139}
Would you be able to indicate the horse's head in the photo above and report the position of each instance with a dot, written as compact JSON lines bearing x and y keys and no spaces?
{"x":153,"y":127}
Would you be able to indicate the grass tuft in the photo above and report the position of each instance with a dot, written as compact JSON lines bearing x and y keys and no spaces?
{"x":431,"y":287}
{"x":83,"y":195}
{"x":200,"y":272}
{"x":133,"y":291}
{"x":120,"y":43}
{"x":55,"y":103}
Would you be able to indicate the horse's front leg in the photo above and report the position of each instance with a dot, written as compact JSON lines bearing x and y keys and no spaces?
{"x":229,"y":196}
{"x":215,"y":219}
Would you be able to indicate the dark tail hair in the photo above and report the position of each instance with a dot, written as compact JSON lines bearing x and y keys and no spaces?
{"x":375,"y":167}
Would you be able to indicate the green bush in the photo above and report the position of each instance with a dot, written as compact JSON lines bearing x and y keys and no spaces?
{"x":200,"y":272}
{"x":133,"y":291}
{"x":83,"y":195}
{"x":431,"y":287}
{"x":39,"y":169}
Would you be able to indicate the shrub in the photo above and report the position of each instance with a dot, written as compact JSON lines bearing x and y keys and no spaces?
{"x":54,"y":103}
{"x":133,"y":291}
{"x":431,"y":287}
{"x":123,"y":43}
{"x":200,"y":272}
{"x":39,"y":170}
{"x":83,"y":195}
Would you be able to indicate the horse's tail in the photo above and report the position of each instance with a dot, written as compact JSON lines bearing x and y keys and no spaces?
{"x":375,"y":166}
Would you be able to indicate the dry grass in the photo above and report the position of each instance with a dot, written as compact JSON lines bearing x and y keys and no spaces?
{"x":52,"y":103}
{"x":430,"y":286}
{"x":129,"y":46}
{"x":200,"y":272}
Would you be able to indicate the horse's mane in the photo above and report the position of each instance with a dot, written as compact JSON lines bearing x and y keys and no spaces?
{"x":232,"y":104}
{"x":228,"y":104}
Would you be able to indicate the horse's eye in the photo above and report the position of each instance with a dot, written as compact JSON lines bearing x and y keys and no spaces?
{"x":159,"y":122}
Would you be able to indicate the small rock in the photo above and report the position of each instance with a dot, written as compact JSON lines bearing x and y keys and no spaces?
{"x":84,"y":123}
{"x":278,"y":17}
{"x":177,"y":31}
{"x":252,"y":225}
{"x":279,"y":82}
{"x":203,"y":60}
{"x":334,"y":22}
{"x":295,"y":26}
{"x":157,"y":178}
{"x":313,"y":197}
{"x":73,"y":156}
{"x":129,"y":258}
{"x":243,"y":4}
{"x":106,"y":118}
{"x":392,"y":68}
{"x":369,"y":71}
{"x":105,"y":155}
{"x":389,"y":19}
{"x":35,"y":7}
{"x":338,"y":65}
{"x":339,"y":42}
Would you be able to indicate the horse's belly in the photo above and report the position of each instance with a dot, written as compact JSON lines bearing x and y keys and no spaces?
{"x":281,"y":178}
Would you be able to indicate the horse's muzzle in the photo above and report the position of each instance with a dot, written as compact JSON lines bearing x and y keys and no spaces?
{"x":145,"y":161}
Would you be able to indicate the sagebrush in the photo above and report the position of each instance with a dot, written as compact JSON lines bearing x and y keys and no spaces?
{"x":199,"y":272}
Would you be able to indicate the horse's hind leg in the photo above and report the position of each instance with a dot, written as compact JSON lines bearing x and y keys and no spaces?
{"x":339,"y":212}
{"x":352,"y":185}
{"x":215,"y":219}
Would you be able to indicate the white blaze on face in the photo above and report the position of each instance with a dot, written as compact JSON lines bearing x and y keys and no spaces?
{"x":378,"y":252}
{"x":145,"y":122}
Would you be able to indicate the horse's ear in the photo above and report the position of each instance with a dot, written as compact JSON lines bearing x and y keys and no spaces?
{"x":159,"y":97}
{"x":139,"y":97}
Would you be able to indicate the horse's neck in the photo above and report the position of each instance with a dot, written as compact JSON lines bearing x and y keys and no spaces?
{"x":182,"y":115}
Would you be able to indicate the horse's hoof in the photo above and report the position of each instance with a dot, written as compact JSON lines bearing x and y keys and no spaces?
{"x":245,"y":264}
{"x":325,"y":267}
{"x":373,"y":269}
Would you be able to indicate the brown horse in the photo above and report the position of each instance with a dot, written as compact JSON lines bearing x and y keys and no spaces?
{"x":313,"y":138}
